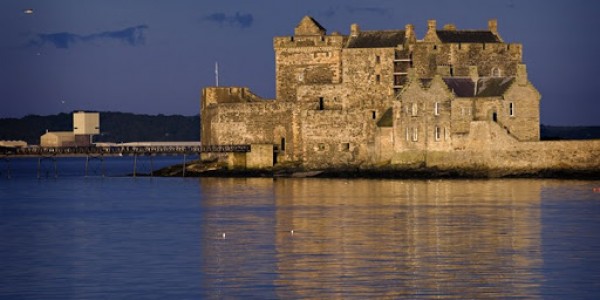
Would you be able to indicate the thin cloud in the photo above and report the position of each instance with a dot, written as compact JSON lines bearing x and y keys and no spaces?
{"x":238,"y":20}
{"x":133,"y":36}
{"x":330,"y":12}
{"x":365,"y":9}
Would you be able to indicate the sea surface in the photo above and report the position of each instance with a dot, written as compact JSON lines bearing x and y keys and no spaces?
{"x":117,"y":237}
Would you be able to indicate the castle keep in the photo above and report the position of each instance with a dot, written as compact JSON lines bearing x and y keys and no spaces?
{"x":455,"y":98}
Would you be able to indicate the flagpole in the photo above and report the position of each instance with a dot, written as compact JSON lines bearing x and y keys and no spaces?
{"x":217,"y":73}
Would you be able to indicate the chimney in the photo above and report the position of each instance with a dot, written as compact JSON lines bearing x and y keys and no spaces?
{"x":409,"y":30}
{"x":354,"y":30}
{"x":493,"y":26}
{"x":474,"y":75}
{"x":431,"y":25}
{"x":522,"y":74}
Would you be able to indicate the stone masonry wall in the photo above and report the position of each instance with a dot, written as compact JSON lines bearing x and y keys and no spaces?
{"x":369,"y":75}
{"x":337,"y":138}
{"x":306,"y":60}
{"x":490,"y":148}
{"x":416,"y":119}
{"x":427,"y":56}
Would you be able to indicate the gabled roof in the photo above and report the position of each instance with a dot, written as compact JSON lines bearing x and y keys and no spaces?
{"x":467,"y":36}
{"x":309,"y":26}
{"x":486,"y":86}
{"x":377,"y":39}
{"x":493,"y":86}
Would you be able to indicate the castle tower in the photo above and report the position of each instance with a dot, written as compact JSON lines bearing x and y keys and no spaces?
{"x":310,"y":56}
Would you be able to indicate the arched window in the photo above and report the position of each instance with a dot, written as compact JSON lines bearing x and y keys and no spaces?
{"x":496,"y":72}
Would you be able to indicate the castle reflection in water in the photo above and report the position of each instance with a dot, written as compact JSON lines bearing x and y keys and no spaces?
{"x":361,"y":238}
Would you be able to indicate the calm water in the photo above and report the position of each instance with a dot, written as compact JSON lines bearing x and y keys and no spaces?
{"x":162,"y":238}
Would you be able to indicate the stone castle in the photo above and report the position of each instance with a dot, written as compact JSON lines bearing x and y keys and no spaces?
{"x":384,"y":98}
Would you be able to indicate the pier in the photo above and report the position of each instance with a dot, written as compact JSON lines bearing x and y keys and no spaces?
{"x":47,"y":156}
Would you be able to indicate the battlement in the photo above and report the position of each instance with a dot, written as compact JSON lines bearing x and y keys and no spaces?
{"x":309,"y":41}
{"x":217,"y":95}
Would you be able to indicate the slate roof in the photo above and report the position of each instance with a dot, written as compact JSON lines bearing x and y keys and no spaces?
{"x":377,"y":39}
{"x":486,"y":86}
{"x":493,"y":86}
{"x":467,"y":36}
{"x":387,"y":119}
{"x":316,"y":23}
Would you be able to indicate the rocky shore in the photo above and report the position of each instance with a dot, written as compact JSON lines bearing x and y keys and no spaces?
{"x":219,"y":169}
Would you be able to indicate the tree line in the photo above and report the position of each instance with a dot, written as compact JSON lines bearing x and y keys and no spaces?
{"x":115,"y":127}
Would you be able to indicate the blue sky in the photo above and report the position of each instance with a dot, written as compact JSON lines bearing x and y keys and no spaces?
{"x":154,"y":57}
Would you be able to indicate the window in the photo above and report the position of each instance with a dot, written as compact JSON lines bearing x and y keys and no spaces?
{"x":377,"y":78}
{"x":415,"y":134}
{"x":465,"y":111}
{"x":321,"y":103}
{"x":511,"y":109}
{"x":496,"y":72}
{"x":282,"y":144}
{"x":437,"y":133}
{"x":345,"y":147}
{"x":436,"y":108}
{"x":434,"y":47}
{"x":377,"y":59}
{"x":374,"y":114}
{"x":321,"y":147}
{"x":415,"y":107}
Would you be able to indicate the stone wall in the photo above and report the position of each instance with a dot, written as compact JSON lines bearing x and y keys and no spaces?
{"x":306,"y":60}
{"x":233,"y":116}
{"x":488,"y":147}
{"x":461,"y":56}
{"x":336,"y":138}
{"x":369,"y":76}
{"x":417,"y":121}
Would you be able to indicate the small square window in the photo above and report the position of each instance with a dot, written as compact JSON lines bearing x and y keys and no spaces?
{"x":321,"y":147}
{"x":345,"y":147}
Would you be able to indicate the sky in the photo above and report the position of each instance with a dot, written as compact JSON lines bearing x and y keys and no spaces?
{"x":154,"y":57}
